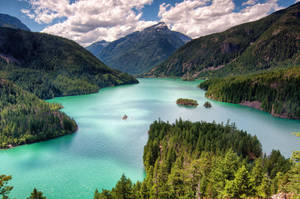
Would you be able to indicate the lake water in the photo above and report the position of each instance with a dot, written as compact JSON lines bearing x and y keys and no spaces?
{"x":106,"y":146}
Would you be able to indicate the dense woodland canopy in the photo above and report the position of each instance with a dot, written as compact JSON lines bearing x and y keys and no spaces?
{"x":51,"y":66}
{"x":207,"y":160}
{"x":202,"y":160}
{"x":278,"y":91}
{"x":24,"y":118}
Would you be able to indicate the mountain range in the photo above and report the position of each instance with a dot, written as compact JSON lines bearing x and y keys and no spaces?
{"x":51,"y":66}
{"x":140,"y":51}
{"x":8,"y":21}
{"x":273,"y":41}
{"x":96,"y":47}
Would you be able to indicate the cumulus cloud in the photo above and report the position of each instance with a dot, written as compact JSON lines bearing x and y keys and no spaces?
{"x":87,"y":21}
{"x":249,"y":2}
{"x":202,"y":17}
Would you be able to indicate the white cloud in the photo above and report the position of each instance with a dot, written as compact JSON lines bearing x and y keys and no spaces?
{"x":249,"y":2}
{"x":87,"y":21}
{"x":297,"y":1}
{"x":27,"y":12}
{"x":202,"y":17}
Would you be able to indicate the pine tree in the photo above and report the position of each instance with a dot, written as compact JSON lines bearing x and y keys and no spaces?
{"x":123,"y":188}
{"x":36,"y":195}
{"x":176,"y":179}
{"x":144,"y":191}
{"x":263,"y":190}
{"x":4,"y":188}
{"x":105,"y":194}
{"x":239,"y":186}
{"x":257,"y":175}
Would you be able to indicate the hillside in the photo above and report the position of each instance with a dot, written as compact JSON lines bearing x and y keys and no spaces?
{"x":24,"y":118}
{"x":96,"y":47}
{"x":50,"y":66}
{"x":207,"y":160}
{"x":8,"y":21}
{"x":140,"y":51}
{"x":267,"y":43}
{"x":277,"y":92}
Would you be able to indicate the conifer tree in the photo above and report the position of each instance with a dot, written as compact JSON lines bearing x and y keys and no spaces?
{"x":36,"y":195}
{"x":4,"y":188}
{"x":239,"y":187}
{"x":123,"y":189}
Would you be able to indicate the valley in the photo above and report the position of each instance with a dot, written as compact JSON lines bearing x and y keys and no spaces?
{"x":105,"y":146}
{"x":103,"y":100}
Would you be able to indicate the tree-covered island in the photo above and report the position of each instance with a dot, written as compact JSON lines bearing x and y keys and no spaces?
{"x":187,"y":102}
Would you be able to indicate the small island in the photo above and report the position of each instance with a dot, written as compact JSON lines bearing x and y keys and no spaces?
{"x":187,"y":102}
{"x":207,"y":105}
{"x":124,"y":117}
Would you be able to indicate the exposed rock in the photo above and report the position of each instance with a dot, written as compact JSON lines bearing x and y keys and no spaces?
{"x":253,"y":104}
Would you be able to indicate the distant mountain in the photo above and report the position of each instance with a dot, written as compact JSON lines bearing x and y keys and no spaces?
{"x":96,"y":47}
{"x":267,"y":43}
{"x":51,"y":66}
{"x":8,"y":21}
{"x":140,"y":51}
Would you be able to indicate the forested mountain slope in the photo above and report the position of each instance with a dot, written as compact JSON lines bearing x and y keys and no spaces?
{"x":50,"y":66}
{"x":207,"y":160}
{"x":277,"y":92}
{"x":267,"y":43}
{"x":24,"y":118}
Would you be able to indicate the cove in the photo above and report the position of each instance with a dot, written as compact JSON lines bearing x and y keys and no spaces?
{"x":106,"y":146}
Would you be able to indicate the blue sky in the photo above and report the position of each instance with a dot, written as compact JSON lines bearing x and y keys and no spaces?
{"x":150,"y":11}
{"x":110,"y":22}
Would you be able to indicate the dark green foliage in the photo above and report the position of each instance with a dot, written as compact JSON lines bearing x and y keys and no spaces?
{"x":24,"y":118}
{"x":4,"y":188}
{"x":180,"y":170}
{"x":277,"y":92}
{"x":140,"y":51}
{"x":273,"y":41}
{"x":123,"y":190}
{"x":105,"y":194}
{"x":207,"y":105}
{"x":276,"y":163}
{"x":50,"y":66}
{"x":186,"y":102}
{"x":36,"y":195}
{"x":194,"y":138}
{"x":8,"y":21}
{"x":177,"y":167}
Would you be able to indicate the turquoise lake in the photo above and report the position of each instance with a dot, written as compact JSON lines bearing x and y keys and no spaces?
{"x":105,"y":146}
